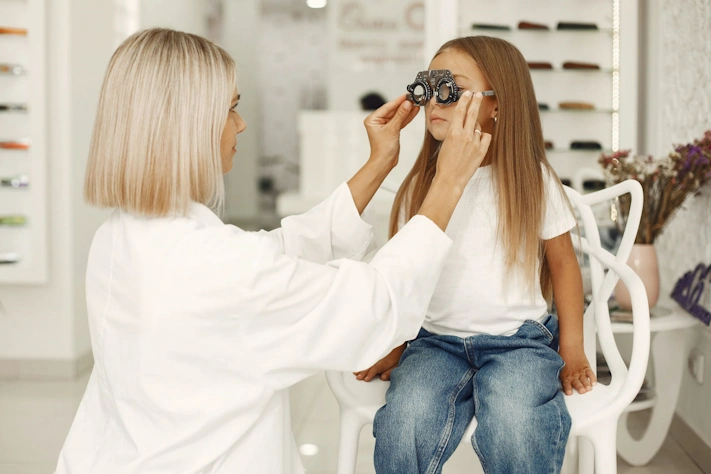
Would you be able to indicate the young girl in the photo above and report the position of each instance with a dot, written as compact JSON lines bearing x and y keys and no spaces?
{"x":489,"y":347}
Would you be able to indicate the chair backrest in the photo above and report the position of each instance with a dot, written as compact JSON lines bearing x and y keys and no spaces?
{"x":605,"y":270}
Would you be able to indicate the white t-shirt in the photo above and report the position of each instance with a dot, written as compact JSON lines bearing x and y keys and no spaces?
{"x":474,"y":295}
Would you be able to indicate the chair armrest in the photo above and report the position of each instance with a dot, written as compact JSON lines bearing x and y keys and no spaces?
{"x":629,"y":380}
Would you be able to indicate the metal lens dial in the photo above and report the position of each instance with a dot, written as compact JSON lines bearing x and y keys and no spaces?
{"x":447,"y":92}
{"x":420,"y":92}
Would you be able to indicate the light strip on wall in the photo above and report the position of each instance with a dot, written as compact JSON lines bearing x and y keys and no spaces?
{"x":316,"y":3}
{"x":615,"y":75}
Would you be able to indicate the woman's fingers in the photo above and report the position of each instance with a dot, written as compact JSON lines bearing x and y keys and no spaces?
{"x":413,"y":113}
{"x":386,"y":111}
{"x":397,"y":122}
{"x":470,"y":123}
{"x":476,"y":131}
{"x":466,"y":113}
{"x":460,"y":111}
{"x":395,"y":115}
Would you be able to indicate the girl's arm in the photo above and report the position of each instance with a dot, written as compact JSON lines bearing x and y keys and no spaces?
{"x":568,"y":295}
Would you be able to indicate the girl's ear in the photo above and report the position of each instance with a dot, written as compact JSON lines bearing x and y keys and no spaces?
{"x":494,"y":112}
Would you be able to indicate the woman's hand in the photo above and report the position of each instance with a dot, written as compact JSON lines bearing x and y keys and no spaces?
{"x":465,"y":146}
{"x":576,"y":373}
{"x":463,"y":150}
{"x":383,"y":367}
{"x":383,"y":127}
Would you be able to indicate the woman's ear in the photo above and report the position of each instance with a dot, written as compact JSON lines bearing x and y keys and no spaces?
{"x":494,"y":112}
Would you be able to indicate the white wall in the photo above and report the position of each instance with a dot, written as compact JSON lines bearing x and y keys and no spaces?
{"x":679,"y":110}
{"x":293,"y":58}
{"x":91,"y":48}
{"x":48,"y":322}
{"x":184,"y":15}
{"x":239,"y":38}
{"x":373,"y":45}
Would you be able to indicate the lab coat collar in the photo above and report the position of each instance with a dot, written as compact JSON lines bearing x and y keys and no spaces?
{"x":204,"y":215}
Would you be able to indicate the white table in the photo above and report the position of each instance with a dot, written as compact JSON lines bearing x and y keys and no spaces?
{"x":668,"y":354}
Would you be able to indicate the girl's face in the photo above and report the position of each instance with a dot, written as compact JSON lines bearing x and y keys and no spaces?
{"x":468,"y":77}
{"x":233,"y":127}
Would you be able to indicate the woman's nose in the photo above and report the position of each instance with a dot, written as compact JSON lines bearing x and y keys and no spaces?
{"x":240,"y":123}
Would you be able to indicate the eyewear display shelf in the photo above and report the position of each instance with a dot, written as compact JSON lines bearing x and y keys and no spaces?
{"x":583,"y":58}
{"x":23,"y":196}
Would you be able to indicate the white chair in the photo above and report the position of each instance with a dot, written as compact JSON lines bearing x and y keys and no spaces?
{"x":594,"y":414}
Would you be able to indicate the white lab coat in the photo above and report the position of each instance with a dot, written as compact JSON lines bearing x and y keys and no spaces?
{"x":198,"y":329}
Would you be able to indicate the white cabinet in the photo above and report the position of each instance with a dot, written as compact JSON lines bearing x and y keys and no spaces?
{"x":23,"y":219}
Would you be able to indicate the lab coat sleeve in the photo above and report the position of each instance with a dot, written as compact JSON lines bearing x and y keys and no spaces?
{"x":345,"y":315}
{"x":330,"y":231}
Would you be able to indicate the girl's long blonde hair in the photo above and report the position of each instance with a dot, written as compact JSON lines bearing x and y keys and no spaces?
{"x":161,"y":114}
{"x":517,"y":153}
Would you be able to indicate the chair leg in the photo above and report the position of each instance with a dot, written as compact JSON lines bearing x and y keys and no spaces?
{"x":570,"y":461}
{"x":586,"y":456}
{"x":604,"y":441}
{"x":351,"y":425}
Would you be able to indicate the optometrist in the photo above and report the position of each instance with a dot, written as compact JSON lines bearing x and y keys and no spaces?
{"x":199,"y":328}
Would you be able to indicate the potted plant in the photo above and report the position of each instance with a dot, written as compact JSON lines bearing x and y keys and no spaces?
{"x":666,"y":182}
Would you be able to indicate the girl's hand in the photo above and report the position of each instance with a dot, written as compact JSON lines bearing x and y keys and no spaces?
{"x":383,"y":367}
{"x":576,"y":373}
{"x":465,"y":146}
{"x":383,"y":127}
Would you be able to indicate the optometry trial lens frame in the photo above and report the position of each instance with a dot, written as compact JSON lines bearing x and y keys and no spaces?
{"x":436,"y":82}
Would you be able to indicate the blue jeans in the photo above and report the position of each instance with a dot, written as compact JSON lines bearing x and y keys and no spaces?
{"x":511,"y":385}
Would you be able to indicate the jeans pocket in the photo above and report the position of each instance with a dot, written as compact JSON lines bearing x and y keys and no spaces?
{"x":542,"y":328}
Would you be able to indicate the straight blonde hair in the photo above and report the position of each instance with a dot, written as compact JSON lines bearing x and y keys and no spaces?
{"x":517,"y":155}
{"x":162,"y":110}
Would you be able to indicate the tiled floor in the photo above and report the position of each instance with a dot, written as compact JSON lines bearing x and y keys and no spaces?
{"x":35,"y":417}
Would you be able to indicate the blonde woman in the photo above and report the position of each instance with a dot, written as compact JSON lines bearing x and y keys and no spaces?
{"x":489,"y":346}
{"x":199,"y":328}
